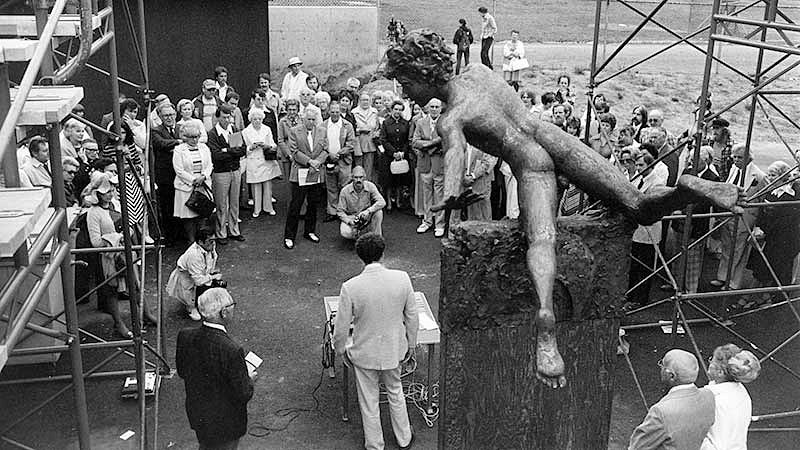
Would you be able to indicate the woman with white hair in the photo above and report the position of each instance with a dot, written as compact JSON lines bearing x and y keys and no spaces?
{"x":729,"y":369}
{"x":306,"y":102}
{"x":323,"y":100}
{"x":192,"y":163}
{"x":262,"y":164}
{"x":185,"y":112}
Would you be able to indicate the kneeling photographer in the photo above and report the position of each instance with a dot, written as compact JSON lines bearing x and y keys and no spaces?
{"x":360,"y":207}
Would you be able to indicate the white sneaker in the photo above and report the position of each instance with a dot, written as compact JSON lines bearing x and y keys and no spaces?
{"x":250,"y":202}
{"x":273,"y":200}
{"x":423,"y":227}
{"x":256,"y":214}
{"x":439,"y":232}
{"x":194,"y":315}
{"x":272,"y":213}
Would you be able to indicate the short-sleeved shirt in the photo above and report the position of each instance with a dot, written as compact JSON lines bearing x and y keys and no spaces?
{"x":352,"y":202}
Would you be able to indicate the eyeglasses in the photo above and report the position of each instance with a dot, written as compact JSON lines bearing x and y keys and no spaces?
{"x":191,"y":136}
{"x":653,"y":120}
{"x":626,"y":160}
{"x":70,"y":172}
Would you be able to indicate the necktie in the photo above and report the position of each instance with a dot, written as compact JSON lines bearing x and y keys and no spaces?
{"x":641,"y":183}
{"x":737,"y":179}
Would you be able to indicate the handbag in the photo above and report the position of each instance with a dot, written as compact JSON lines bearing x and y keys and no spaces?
{"x":399,"y":167}
{"x":270,"y":153}
{"x":518,"y":64}
{"x":200,"y":201}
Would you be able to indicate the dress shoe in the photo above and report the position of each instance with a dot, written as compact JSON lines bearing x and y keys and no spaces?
{"x":123,"y":330}
{"x":288,"y":243}
{"x":424,"y":227}
{"x":238,"y":237}
{"x":312,"y":237}
{"x":439,"y":232}
{"x":274,"y":200}
{"x":222,"y":241}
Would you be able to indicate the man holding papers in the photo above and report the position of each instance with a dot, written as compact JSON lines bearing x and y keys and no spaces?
{"x":217,"y":379}
{"x":308,"y":149}
{"x":382,"y":307}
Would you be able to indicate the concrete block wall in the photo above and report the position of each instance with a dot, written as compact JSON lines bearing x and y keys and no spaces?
{"x":327,"y":39}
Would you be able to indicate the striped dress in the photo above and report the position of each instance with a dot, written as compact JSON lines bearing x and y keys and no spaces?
{"x":135,"y":195}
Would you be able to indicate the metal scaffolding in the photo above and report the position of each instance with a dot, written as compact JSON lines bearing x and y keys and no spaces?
{"x":96,"y":32}
{"x":758,"y":95}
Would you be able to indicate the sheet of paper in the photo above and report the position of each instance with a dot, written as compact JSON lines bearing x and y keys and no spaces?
{"x":306,"y":177}
{"x":426,"y":321}
{"x":126,"y":435}
{"x":666,"y":327}
{"x":253,"y":360}
{"x":236,"y":140}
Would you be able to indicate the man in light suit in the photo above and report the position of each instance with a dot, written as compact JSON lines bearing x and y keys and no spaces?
{"x":745,"y":174}
{"x":478,"y":177}
{"x":341,"y":139}
{"x":430,"y":162}
{"x":215,"y":374}
{"x":308,"y":148}
{"x":682,"y":418}
{"x":385,"y":324}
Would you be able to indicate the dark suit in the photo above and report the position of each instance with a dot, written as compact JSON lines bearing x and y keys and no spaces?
{"x":163,"y":141}
{"x":217,"y":385}
{"x":301,"y":154}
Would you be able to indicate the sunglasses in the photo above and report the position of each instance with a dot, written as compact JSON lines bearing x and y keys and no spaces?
{"x":71,"y":172}
{"x":653,"y":120}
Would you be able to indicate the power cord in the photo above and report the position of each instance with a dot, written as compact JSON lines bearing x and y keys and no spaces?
{"x":260,"y":430}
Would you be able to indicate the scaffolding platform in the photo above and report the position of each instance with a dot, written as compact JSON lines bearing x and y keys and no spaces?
{"x":21,"y":210}
{"x":69,"y":25}
{"x":48,"y":104}
{"x":17,"y":50}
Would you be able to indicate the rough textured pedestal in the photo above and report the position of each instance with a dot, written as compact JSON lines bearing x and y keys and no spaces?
{"x":490,"y":396}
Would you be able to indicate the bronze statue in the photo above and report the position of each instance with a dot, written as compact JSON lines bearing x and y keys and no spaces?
{"x":483,"y":111}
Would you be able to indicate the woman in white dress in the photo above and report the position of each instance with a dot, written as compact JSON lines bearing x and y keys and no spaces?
{"x":192,"y":163}
{"x":185,"y":111}
{"x":260,"y":171}
{"x":513,"y":60}
{"x":729,"y":368}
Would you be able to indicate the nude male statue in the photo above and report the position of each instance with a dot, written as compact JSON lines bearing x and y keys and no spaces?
{"x":483,"y":111}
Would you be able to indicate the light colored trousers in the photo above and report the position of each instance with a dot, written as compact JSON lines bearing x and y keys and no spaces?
{"x":262,"y":196}
{"x":225,"y":187}
{"x":741,"y":254}
{"x":367,"y":382}
{"x":374,"y":226}
{"x":335,"y":180}
{"x":433,"y":193}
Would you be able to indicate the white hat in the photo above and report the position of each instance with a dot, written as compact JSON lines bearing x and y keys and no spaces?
{"x":294,"y":60}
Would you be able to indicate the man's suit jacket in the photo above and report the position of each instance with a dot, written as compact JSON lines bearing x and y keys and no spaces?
{"x":217,"y":385}
{"x":680,"y":420}
{"x":163,"y":142}
{"x":752,"y":181}
{"x":381,"y":305}
{"x":301,"y":154}
{"x":224,"y":157}
{"x":347,"y":140}
{"x":429,"y":159}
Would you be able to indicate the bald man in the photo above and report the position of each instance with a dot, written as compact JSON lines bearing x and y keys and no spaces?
{"x":360,"y":207}
{"x":682,"y":418}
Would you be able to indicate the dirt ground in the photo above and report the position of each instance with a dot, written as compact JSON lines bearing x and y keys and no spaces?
{"x":280,"y":317}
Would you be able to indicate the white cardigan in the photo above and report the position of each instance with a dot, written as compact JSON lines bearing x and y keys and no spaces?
{"x":182,"y":163}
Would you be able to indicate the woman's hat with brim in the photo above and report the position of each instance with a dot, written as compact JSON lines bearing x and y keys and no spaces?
{"x":294,"y":60}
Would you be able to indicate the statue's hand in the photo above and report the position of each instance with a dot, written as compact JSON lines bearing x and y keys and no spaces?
{"x":462,"y":201}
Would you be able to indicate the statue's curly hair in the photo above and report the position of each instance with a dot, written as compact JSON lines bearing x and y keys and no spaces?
{"x":422,"y":55}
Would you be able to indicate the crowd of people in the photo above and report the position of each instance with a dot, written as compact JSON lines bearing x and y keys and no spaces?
{"x":353,"y":156}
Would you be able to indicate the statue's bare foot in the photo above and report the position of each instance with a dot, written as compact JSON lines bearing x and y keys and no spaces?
{"x":549,"y":364}
{"x":462,"y":201}
{"x":723,"y":195}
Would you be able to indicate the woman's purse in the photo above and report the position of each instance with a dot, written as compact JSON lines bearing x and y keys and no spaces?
{"x":270,"y":153}
{"x":200,"y":201}
{"x":399,"y":167}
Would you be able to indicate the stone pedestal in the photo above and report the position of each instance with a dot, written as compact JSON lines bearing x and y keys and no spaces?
{"x":490,"y":396}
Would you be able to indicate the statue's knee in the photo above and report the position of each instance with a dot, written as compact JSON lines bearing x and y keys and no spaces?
{"x":545,"y":318}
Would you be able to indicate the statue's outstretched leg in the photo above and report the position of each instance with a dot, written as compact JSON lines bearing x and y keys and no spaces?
{"x":538,"y":203}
